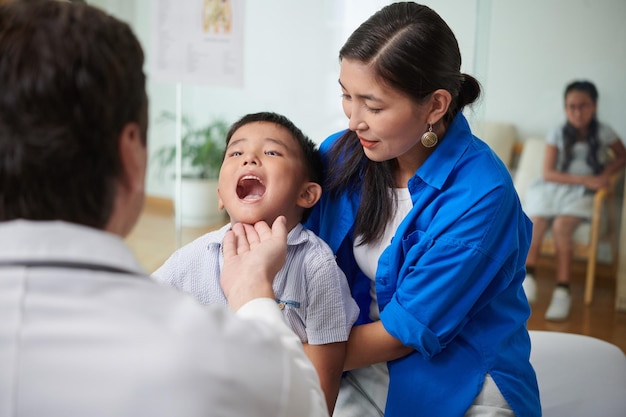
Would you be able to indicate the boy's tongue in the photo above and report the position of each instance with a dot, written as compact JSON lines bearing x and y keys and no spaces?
{"x":250,"y":189}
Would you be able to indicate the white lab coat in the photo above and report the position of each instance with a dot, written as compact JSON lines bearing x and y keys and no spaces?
{"x":85,"y":332}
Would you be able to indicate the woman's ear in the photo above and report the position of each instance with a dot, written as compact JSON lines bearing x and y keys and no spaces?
{"x":309,"y":195}
{"x":439,"y":103}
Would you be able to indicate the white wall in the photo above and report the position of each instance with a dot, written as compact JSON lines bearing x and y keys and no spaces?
{"x":538,"y":46}
{"x":523,"y":53}
{"x":290,"y":59}
{"x":291,"y":65}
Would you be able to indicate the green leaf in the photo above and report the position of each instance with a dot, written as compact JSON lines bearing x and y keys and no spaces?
{"x":202,"y":148}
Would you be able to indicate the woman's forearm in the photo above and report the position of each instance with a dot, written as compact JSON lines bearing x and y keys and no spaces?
{"x":371,"y":343}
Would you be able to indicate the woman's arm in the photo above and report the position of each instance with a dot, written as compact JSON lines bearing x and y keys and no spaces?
{"x":371,"y":343}
{"x":328,"y":361}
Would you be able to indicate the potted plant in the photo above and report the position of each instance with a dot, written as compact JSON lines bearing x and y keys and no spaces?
{"x":202,"y":151}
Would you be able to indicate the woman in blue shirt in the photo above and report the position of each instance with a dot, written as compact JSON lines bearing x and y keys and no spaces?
{"x":426,"y":224}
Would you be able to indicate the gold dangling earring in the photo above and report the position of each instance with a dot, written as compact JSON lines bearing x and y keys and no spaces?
{"x":429,"y":139}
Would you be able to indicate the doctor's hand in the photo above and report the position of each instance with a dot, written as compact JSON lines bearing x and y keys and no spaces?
{"x":253,"y":255}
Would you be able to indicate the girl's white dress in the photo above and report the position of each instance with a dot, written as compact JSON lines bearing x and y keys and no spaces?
{"x":550,"y":199}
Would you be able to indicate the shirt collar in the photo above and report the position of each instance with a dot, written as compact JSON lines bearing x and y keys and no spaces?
{"x":296,"y":236}
{"x":438,"y":166}
{"x":58,"y":241}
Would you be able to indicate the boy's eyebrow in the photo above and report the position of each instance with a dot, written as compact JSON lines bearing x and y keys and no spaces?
{"x":268,"y":139}
{"x":363,"y":96}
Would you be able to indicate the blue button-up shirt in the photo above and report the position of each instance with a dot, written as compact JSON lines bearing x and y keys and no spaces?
{"x":450,"y":283}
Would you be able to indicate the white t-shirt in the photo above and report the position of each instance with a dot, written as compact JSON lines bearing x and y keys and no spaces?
{"x":367,"y":255}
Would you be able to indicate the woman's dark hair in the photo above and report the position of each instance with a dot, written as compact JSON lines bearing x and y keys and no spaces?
{"x":71,"y":78}
{"x":571,"y":134}
{"x":411,"y":49}
{"x":311,"y":159}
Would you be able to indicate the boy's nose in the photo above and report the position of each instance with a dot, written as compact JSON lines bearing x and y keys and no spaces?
{"x":250,"y":159}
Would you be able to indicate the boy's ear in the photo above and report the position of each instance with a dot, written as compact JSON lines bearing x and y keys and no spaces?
{"x":220,"y":203}
{"x":309,"y":195}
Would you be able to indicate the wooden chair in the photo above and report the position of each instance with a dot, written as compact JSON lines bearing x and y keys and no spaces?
{"x":589,"y":237}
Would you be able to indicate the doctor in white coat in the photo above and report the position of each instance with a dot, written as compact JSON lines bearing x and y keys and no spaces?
{"x":84,"y":331}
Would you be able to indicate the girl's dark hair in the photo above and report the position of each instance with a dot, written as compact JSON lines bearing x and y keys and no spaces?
{"x":571,"y":134}
{"x":411,"y":49}
{"x":311,"y":159}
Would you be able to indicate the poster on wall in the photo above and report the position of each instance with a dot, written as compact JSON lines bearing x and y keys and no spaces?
{"x":198,"y":42}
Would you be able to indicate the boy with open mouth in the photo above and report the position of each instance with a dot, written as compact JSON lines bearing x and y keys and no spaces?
{"x":272,"y":169}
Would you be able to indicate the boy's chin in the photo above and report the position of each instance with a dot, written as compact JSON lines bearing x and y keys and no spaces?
{"x":249,"y":219}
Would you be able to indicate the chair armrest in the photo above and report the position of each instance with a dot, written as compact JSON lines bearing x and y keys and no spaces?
{"x":602,"y":193}
{"x":602,"y":196}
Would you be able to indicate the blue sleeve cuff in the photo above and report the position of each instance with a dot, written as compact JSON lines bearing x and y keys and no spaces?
{"x":403,"y":326}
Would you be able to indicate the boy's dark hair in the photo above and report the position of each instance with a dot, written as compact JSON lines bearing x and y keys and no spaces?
{"x":71,"y":77}
{"x":312,"y":161}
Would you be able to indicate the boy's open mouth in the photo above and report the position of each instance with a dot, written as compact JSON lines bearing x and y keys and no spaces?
{"x":250,"y":188}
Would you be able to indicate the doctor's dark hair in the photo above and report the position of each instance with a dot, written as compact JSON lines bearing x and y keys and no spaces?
{"x":412,"y":50}
{"x":570,"y":133}
{"x":71,"y":78}
{"x":311,"y":159}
